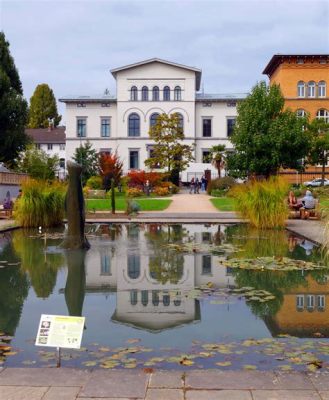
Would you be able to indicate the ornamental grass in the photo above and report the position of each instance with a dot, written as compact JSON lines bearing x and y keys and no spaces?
{"x":41,"y":204}
{"x":263,"y":202}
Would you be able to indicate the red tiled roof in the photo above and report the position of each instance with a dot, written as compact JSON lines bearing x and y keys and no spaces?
{"x":277,"y":59}
{"x":45,"y":135}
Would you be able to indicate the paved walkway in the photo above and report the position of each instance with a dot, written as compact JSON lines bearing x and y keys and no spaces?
{"x":190,"y":203}
{"x":72,"y":384}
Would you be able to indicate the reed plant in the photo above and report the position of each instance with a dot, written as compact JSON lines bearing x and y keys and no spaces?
{"x":41,"y":204}
{"x":263,"y":202}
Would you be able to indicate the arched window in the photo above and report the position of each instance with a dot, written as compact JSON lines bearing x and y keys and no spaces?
{"x":166,"y":93}
{"x":134,"y":93}
{"x":166,"y":300}
{"x":145,"y":297}
{"x":145,"y":93}
{"x":155,"y":95}
{"x":181,"y":121}
{"x":301,"y":113}
{"x":153,"y":119}
{"x":155,"y":297}
{"x":177,"y":93}
{"x":133,"y":297}
{"x":323,"y":114}
{"x":322,"y":89}
{"x":133,"y":125}
{"x":134,"y":266}
{"x":311,"y":89}
{"x":301,"y":89}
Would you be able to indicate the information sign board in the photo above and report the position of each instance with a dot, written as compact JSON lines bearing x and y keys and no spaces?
{"x":60,"y":331}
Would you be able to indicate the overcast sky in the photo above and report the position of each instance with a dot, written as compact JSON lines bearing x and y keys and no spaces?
{"x":72,"y":45}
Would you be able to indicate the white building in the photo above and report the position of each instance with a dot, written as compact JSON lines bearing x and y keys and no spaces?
{"x":144,"y":90}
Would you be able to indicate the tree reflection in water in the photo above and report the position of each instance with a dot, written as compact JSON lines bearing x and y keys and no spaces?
{"x":42,"y":266}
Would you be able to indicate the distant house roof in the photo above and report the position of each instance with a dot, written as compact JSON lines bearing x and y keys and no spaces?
{"x":3,"y":168}
{"x":46,"y":135}
{"x":277,"y":59}
{"x":98,"y":98}
{"x":159,"y":60}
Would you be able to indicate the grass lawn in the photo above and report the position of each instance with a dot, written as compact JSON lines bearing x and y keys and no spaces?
{"x":223,"y":203}
{"x":146,"y":204}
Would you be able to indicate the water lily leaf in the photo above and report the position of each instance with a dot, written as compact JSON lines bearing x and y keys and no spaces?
{"x":224,"y":363}
{"x":104,"y":349}
{"x":249,"y":367}
{"x":131,"y":341}
{"x":186,"y":362}
{"x":89,"y":363}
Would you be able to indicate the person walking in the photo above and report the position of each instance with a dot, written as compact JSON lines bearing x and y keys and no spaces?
{"x":192,"y":186}
{"x":203,"y":183}
{"x":197,"y":186}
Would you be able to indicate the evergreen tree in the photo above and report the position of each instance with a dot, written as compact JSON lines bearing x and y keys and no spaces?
{"x":13,"y":107}
{"x":267,"y":137}
{"x":88,"y":158}
{"x":43,"y":108}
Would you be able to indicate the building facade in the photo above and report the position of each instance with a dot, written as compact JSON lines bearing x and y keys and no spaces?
{"x":145,"y":90}
{"x":52,"y":142}
{"x":303,"y":80}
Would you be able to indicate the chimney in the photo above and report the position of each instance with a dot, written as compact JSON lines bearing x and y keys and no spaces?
{"x":50,"y":124}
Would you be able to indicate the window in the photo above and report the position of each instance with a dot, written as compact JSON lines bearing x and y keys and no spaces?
{"x":134,"y":267}
{"x":81,"y":105}
{"x":62,"y":146}
{"x":155,"y":297}
{"x":323,"y":114}
{"x":133,"y":297}
{"x":180,"y":121}
{"x":38,"y":146}
{"x":300,"y":61}
{"x":104,"y":151}
{"x":311,"y":89}
{"x":134,"y":93}
{"x":206,"y":237}
{"x":206,"y":127}
{"x":133,"y":159}
{"x":105,"y":127}
{"x":300,"y":302}
{"x":177,"y":302}
{"x":145,"y":297}
{"x":229,"y":271}
{"x":310,"y":302}
{"x":205,"y":156}
{"x":177,"y":93}
{"x":300,"y":89}
{"x":145,"y":93}
{"x":206,"y":265}
{"x":106,"y":105}
{"x":62,"y":163}
{"x":321,"y":302}
{"x":153,"y":119}
{"x":166,"y":300}
{"x":155,"y":94}
{"x":230,"y":125}
{"x":133,"y":125}
{"x":166,"y":93}
{"x":322,"y":89}
{"x":81,"y":127}
{"x":105,"y":264}
{"x":301,"y":113}
{"x":50,"y":146}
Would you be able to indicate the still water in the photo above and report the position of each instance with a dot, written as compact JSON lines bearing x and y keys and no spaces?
{"x":159,"y":296}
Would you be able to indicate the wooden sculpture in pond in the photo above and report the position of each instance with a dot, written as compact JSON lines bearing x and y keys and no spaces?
{"x":75,"y":210}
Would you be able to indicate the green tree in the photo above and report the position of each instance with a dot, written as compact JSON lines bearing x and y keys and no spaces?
{"x":13,"y":107}
{"x":319,"y":152}
{"x":217,"y":157}
{"x":43,"y":108}
{"x":169,"y":152}
{"x":37,"y":163}
{"x":88,"y":158}
{"x":266,"y":137}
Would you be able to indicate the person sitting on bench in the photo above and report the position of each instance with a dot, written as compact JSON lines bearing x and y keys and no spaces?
{"x":308,"y":201}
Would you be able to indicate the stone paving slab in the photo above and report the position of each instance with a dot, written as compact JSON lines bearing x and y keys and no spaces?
{"x":166,"y":379}
{"x":116,"y":384}
{"x":22,"y":392}
{"x":164,"y":394}
{"x":320,"y":381}
{"x":44,"y":377}
{"x":285,"y":395}
{"x":218,"y":395}
{"x":62,"y":393}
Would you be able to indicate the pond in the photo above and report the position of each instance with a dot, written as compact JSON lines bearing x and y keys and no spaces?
{"x":168,"y":297}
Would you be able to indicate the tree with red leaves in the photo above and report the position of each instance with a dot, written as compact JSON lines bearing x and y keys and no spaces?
{"x":110,"y":167}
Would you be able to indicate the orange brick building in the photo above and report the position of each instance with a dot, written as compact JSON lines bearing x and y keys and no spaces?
{"x":304,"y":81}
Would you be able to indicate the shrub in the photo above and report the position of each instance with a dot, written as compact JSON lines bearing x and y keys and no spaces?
{"x":95,"y":182}
{"x":132,"y":207}
{"x":218,"y":193}
{"x":134,"y":192}
{"x":172,"y":188}
{"x":139,"y":178}
{"x":41,"y":204}
{"x":263,"y":202}
{"x":223,"y":184}
{"x":161,"y":191}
